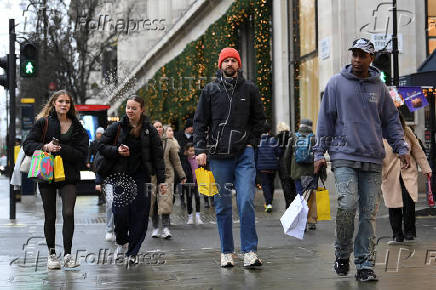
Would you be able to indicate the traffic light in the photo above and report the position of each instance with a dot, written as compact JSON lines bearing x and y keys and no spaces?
{"x":28,"y":60}
{"x":382,"y":61}
{"x":4,"y":64}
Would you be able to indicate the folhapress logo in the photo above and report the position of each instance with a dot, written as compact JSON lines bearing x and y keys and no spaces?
{"x":127,"y":25}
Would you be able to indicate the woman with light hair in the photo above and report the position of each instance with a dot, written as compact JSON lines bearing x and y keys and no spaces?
{"x":58,"y":131}
{"x":288,"y":185}
{"x":163,"y":205}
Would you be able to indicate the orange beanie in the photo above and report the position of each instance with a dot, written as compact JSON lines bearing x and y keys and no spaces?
{"x":229,"y":52}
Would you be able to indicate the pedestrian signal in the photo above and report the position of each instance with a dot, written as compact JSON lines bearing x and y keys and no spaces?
{"x":28,"y":60}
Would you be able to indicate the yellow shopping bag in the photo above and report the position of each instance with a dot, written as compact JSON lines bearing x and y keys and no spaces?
{"x":323,"y":204}
{"x":206,"y":182}
{"x":59,"y":173}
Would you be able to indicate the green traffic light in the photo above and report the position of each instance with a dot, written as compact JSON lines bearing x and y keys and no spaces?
{"x":30,"y":69}
{"x":383,"y":76}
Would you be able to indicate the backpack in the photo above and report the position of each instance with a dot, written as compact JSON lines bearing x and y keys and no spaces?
{"x":303,"y":152}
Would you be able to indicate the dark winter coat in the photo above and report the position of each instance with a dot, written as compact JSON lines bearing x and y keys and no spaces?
{"x":92,"y":150}
{"x":183,"y":140}
{"x":73,"y":154}
{"x":232,"y":121}
{"x":267,"y":153}
{"x":151,"y":146}
{"x":283,"y":139}
{"x":187,"y":168}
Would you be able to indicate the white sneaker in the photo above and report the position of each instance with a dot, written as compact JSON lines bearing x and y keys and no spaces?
{"x":227,"y":260}
{"x":53,"y":262}
{"x":190,"y":220}
{"x":155,"y":233}
{"x":199,"y":221}
{"x":121,"y":251}
{"x":110,"y":237}
{"x":251,"y":259}
{"x":166,"y":234}
{"x":133,"y":259}
{"x":69,"y":262}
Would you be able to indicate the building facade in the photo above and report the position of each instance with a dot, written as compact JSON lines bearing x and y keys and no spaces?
{"x":306,"y":42}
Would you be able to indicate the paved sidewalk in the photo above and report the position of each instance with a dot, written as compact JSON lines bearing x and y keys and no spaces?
{"x":191,"y":259}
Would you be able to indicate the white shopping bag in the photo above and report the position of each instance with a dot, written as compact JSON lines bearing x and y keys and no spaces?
{"x":295,"y":218}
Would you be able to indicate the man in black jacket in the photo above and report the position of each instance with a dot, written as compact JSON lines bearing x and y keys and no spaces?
{"x":184,"y":137}
{"x":228,"y":119}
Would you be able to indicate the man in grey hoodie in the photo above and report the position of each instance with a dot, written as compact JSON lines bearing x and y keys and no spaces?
{"x":356,"y":114}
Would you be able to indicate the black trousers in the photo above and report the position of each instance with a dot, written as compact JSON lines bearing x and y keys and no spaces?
{"x":191,"y":190}
{"x":267,"y":182}
{"x":131,"y":220}
{"x":68,"y":195}
{"x":406,"y":214}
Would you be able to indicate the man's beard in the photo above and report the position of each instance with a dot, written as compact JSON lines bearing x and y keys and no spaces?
{"x":229,"y":72}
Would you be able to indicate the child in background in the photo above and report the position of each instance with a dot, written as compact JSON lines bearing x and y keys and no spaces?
{"x":190,"y":188}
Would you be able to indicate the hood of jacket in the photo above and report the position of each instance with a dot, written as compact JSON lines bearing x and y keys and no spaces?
{"x":374,"y":74}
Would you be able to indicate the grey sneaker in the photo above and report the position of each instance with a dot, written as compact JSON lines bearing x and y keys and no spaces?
{"x":69,"y":262}
{"x":53,"y":262}
{"x":251,"y":259}
{"x":227,"y":260}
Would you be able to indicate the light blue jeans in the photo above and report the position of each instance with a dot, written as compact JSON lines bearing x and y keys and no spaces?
{"x":238,"y":173}
{"x":355,"y":187}
{"x":109,"y":214}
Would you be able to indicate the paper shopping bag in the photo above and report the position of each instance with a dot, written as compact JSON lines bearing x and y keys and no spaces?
{"x":59,"y":173}
{"x":212,"y":185}
{"x":41,"y":166}
{"x":206,"y":182}
{"x":295,"y":218}
{"x":323,"y":204}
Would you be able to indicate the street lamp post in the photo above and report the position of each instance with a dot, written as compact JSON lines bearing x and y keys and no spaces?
{"x":396,"y":78}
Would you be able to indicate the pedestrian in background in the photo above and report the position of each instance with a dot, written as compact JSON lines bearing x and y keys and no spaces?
{"x":229,"y":118}
{"x":400,"y":186}
{"x":183,"y":137}
{"x":163,"y":205}
{"x":64,"y":136}
{"x":190,"y":189}
{"x":93,"y":147}
{"x":288,"y":185}
{"x":299,"y":153}
{"x":267,"y":163}
{"x":356,"y":113}
{"x":136,"y":156}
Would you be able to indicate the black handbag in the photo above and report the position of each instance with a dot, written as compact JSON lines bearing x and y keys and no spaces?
{"x":102,"y":165}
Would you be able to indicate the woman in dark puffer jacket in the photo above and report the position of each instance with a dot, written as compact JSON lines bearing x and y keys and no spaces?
{"x":136,"y":155}
{"x":64,"y":136}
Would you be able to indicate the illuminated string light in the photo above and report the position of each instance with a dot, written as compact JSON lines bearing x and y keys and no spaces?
{"x":198,"y":60}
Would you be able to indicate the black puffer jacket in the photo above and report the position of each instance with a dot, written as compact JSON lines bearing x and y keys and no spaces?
{"x":73,"y":154}
{"x":232,"y":121}
{"x":152,"y":155}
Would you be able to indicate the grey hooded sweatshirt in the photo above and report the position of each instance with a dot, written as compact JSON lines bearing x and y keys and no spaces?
{"x":355,"y":115}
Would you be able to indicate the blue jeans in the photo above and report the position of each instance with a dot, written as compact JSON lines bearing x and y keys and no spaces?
{"x":241,"y":173}
{"x":353,"y":187}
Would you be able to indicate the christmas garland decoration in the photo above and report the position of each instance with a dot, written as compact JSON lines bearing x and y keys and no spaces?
{"x":172,"y":94}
